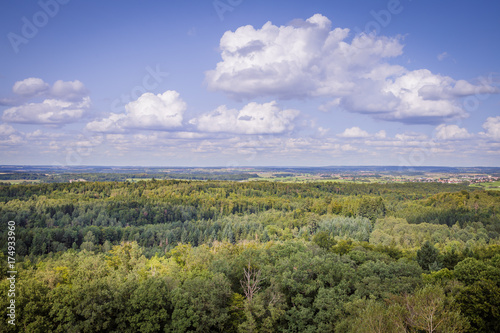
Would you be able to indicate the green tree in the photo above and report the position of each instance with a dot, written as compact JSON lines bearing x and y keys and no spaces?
{"x":469,"y":270}
{"x":329,"y":304}
{"x":149,"y":307}
{"x":430,"y":310}
{"x":371,"y":208}
{"x":480,"y":303}
{"x":86,"y":307}
{"x":427,"y":256}
{"x":201,"y":304}
{"x":324,"y":240}
{"x":370,"y":316}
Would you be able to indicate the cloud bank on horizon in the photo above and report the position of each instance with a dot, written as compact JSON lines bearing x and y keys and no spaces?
{"x":283,"y":89}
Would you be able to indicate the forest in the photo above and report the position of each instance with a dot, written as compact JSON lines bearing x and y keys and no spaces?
{"x":251,"y":256}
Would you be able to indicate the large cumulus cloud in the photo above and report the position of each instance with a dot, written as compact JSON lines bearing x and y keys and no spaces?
{"x":253,"y":118}
{"x":149,"y":112}
{"x":309,"y":58}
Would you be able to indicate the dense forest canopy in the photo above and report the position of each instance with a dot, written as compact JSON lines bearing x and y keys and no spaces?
{"x":229,"y":256}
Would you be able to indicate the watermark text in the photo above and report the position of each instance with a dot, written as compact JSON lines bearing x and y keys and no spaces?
{"x":11,"y":264}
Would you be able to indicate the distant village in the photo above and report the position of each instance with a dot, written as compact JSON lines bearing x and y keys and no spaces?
{"x":446,"y":179}
{"x":77,"y":180}
{"x":472,"y":179}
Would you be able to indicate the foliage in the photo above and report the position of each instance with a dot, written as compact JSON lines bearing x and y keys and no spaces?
{"x":427,"y":256}
{"x":178,"y":256}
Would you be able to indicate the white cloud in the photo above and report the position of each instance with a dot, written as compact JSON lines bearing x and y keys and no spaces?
{"x":64,"y":90}
{"x":309,"y":59}
{"x":492,"y":127}
{"x":347,"y":147}
{"x":68,"y":90}
{"x":39,"y":136}
{"x":6,"y":130}
{"x":381,"y":134}
{"x":413,"y":106}
{"x":446,"y":88}
{"x":50,"y":111}
{"x":329,"y":105}
{"x":149,"y":112}
{"x":65,"y":102}
{"x":162,"y":111}
{"x":443,"y":56}
{"x":417,"y":96}
{"x":301,"y":59}
{"x":354,"y":132}
{"x":253,"y":118}
{"x":451,"y":132}
{"x":411,"y":137}
{"x":188,"y":135}
{"x":322,"y":131}
{"x":9,"y":136}
{"x":107,"y":125}
{"x":11,"y":140}
{"x":30,"y":87}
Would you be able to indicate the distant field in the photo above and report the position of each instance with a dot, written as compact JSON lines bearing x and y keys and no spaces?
{"x":306,"y":178}
{"x":20,"y":181}
{"x":138,"y":179}
{"x":489,"y":186}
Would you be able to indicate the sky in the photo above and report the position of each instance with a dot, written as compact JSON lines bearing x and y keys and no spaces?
{"x":234,"y":83}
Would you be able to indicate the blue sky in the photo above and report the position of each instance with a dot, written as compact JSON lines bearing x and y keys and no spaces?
{"x":249,"y":83}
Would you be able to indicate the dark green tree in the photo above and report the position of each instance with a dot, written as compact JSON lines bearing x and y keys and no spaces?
{"x":427,"y":256}
{"x":324,"y":240}
{"x":480,"y":303}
